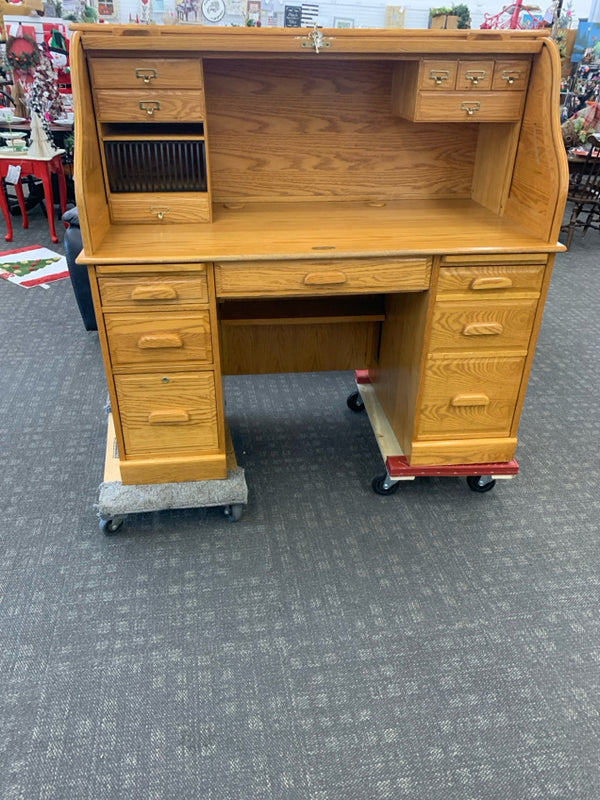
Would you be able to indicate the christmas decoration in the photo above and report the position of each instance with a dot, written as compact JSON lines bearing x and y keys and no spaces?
{"x":59,"y":56}
{"x":22,"y":52}
{"x":44,"y":98}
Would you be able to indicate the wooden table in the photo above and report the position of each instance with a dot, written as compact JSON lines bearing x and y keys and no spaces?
{"x":42,"y":168}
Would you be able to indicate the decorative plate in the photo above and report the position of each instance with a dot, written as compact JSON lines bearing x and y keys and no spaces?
{"x":213,"y":10}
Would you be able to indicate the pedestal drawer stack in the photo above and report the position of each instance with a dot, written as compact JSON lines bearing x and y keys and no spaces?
{"x":158,"y":331}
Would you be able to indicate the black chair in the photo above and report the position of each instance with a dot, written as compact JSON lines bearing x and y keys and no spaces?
{"x":78,"y":272}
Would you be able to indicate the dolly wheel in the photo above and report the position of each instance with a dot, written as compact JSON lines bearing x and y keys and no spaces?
{"x":234,"y":511}
{"x":355,"y":402}
{"x":382,"y":486}
{"x":480,"y":483}
{"x":110,"y":527}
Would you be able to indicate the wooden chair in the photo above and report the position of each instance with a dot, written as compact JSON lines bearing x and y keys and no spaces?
{"x":584,"y":191}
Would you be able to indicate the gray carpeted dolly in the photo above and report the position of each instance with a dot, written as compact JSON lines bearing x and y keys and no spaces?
{"x":117,"y":501}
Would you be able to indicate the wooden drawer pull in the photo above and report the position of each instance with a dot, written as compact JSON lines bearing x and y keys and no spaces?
{"x":482,"y":329}
{"x":493,"y":282}
{"x":461,"y":400}
{"x":324,"y":278}
{"x":168,"y":415}
{"x":154,"y":341}
{"x":157,"y":291}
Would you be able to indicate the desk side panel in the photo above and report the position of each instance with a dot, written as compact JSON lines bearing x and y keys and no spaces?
{"x":89,"y":183}
{"x":540,"y":178}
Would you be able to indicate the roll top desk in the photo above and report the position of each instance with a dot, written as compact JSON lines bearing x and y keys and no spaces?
{"x":271,"y":200}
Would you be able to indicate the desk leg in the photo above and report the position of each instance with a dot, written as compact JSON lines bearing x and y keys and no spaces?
{"x":62,"y":191}
{"x":48,"y":197}
{"x":22,"y":206}
{"x":6,"y":212}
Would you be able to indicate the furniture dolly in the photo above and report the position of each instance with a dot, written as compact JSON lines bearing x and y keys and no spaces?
{"x":295,"y":200}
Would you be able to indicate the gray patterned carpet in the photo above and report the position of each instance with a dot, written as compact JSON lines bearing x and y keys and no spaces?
{"x":437,"y":644}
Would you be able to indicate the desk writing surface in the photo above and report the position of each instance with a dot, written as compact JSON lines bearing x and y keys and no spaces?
{"x":305,"y":230}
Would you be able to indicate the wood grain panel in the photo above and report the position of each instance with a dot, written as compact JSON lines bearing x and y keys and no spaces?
{"x":298,"y":347}
{"x":140,"y":396}
{"x":340,"y":140}
{"x":444,"y":413}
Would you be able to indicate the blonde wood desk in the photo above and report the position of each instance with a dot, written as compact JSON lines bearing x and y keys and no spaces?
{"x":256,"y":200}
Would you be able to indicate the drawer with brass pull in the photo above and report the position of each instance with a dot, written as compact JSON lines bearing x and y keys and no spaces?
{"x":469,"y":397}
{"x":164,"y":338}
{"x":158,"y":105}
{"x":168,"y":412}
{"x":146,"y":73}
{"x":142,"y":291}
{"x":473,"y":106}
{"x":160,"y":208}
{"x":296,"y":278}
{"x":511,"y":75}
{"x":500,"y":325}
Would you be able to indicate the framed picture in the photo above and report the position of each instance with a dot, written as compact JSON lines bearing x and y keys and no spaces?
{"x":343,"y":22}
{"x":107,"y":8}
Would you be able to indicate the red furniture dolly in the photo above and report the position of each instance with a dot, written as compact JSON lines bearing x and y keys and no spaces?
{"x":480,"y":477}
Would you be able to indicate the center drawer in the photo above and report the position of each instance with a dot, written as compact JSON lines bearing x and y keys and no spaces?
{"x":162,"y":339}
{"x":305,"y":277}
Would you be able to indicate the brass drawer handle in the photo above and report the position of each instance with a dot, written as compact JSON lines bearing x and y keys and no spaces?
{"x":510,"y":76}
{"x":149,"y":106}
{"x":439,"y":75}
{"x":494,"y":282}
{"x":146,"y":74}
{"x":463,"y":400}
{"x":168,"y":415}
{"x":482,"y":329}
{"x":324,"y":278}
{"x":155,"y":341}
{"x":158,"y":291}
{"x":470,"y":107}
{"x":475,"y":75}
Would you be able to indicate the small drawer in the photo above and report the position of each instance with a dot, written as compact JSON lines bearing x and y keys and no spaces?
{"x":469,"y":107}
{"x":158,"y":105}
{"x":296,"y":278}
{"x":463,"y":326}
{"x":469,"y":397}
{"x":146,"y":73}
{"x":162,"y":339}
{"x":437,"y":75}
{"x":168,"y":412}
{"x":145,"y":290}
{"x":491,"y":281}
{"x":512,"y":76}
{"x":474,"y":75}
{"x":160,"y":208}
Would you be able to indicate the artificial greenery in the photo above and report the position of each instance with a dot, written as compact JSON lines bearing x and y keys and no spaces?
{"x":461,"y":11}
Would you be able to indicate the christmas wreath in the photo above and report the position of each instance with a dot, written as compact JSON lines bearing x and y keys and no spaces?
{"x":22,"y":52}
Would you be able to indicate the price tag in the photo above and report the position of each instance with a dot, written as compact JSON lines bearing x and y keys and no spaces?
{"x":13,"y":174}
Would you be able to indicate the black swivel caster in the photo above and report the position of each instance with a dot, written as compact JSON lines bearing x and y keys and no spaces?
{"x":480,"y":483}
{"x":382,"y":485}
{"x":355,"y":402}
